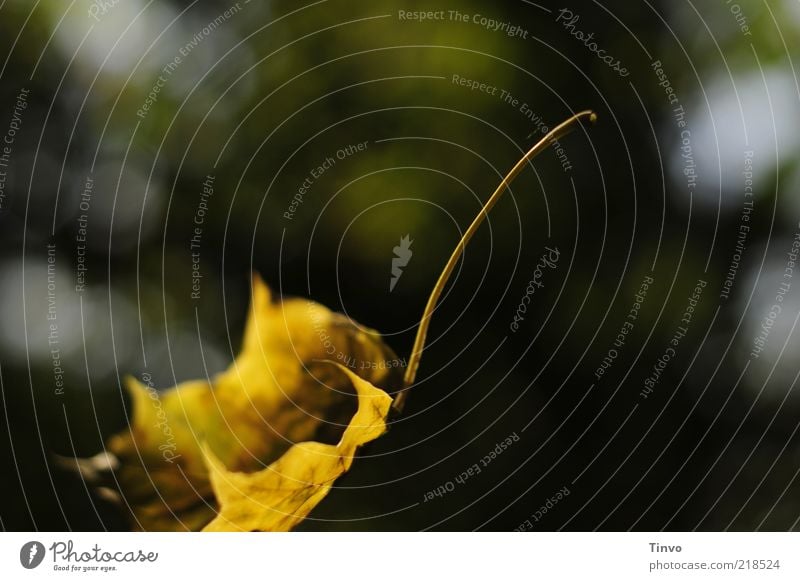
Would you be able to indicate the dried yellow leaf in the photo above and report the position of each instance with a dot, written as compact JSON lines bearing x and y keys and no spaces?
{"x":229,"y":443}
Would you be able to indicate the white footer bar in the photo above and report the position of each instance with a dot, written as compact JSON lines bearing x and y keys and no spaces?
{"x":400,"y":556}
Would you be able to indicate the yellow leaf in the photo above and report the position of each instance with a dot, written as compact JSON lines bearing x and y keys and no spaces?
{"x":229,"y":443}
{"x":280,"y":390}
{"x":281,"y":496}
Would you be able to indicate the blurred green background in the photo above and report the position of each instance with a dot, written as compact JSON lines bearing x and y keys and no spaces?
{"x":275,"y":89}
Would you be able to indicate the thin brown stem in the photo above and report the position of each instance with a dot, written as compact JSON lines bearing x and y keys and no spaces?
{"x":419,"y":343}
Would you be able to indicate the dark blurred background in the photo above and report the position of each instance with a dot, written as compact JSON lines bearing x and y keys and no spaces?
{"x":268,"y":93}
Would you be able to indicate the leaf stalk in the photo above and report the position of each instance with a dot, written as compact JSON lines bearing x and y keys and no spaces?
{"x":422,"y":332}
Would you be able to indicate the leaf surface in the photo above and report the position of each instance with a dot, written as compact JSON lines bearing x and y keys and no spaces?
{"x":281,"y":496}
{"x":287,"y":385}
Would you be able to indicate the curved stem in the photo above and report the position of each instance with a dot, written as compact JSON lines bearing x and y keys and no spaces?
{"x":419,"y":343}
